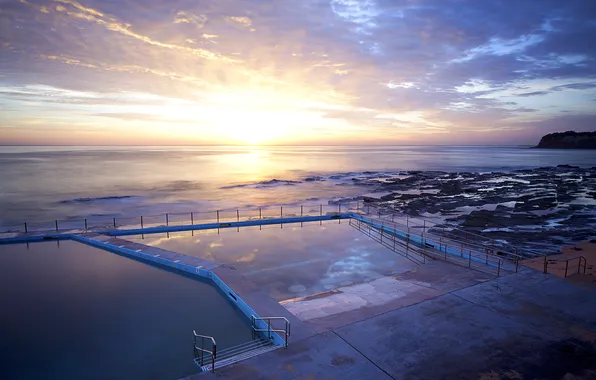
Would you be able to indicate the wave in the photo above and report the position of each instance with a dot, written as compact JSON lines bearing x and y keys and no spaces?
{"x":261,"y":184}
{"x":98,"y":199}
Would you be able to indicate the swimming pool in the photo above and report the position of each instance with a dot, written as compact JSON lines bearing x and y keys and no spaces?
{"x":290,"y":260}
{"x":70,"y":311}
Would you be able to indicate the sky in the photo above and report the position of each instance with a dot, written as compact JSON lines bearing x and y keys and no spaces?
{"x":327,"y":72}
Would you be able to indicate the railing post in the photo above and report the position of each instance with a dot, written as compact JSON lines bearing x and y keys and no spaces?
{"x":114,"y":220}
{"x":339,"y":208}
{"x":499,"y":268}
{"x":321,"y":210}
{"x":260,"y":213}
{"x":202,"y":348}
{"x":237,"y":215}
{"x":56,"y":226}
{"x":358,"y":207}
{"x":142,"y":225}
{"x":545,"y":265}
{"x":470,"y":259}
{"x":85,"y":225}
{"x":445,"y":248}
{"x":281,"y":212}
{"x":213,"y":353}
{"x":217,"y":216}
{"x":407,"y":221}
{"x":192,"y":218}
{"x":167,"y":219}
{"x":567,"y":266}
{"x":301,"y":210}
{"x":252,"y":322}
{"x":26,"y":231}
{"x":424,"y":226}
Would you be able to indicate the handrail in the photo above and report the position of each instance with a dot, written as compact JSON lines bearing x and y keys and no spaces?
{"x":428,"y":224}
{"x":269,"y":330}
{"x":566,"y":261}
{"x":203,"y":350}
{"x":190,"y":216}
{"x":459,"y":240}
{"x":466,"y":250}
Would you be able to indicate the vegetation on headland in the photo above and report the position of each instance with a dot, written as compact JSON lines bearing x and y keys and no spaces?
{"x":569,"y":140}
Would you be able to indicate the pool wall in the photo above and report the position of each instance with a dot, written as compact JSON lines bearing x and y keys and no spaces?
{"x":197,"y":270}
{"x":194,"y":266}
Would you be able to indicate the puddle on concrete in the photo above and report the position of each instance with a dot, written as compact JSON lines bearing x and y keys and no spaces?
{"x":290,"y":261}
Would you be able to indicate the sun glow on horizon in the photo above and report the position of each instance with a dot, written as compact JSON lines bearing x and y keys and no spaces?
{"x":247,"y":117}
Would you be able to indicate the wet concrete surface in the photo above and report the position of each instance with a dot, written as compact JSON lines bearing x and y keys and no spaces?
{"x":524,"y":326}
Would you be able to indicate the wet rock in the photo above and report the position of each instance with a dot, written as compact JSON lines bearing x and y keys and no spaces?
{"x":502,"y":208}
{"x":542,"y":218}
{"x":313,"y":178}
{"x":451,"y":188}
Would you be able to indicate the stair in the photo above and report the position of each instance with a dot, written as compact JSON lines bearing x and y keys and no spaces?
{"x":237,"y":353}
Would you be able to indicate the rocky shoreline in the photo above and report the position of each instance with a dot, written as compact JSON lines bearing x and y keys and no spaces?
{"x":537,"y":210}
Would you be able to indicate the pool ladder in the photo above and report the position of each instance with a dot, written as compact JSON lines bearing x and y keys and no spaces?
{"x":208,"y":358}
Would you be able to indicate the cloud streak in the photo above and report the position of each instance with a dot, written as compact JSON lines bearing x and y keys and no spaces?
{"x":386,"y":71}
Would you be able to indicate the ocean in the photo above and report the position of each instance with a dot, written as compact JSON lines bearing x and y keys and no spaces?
{"x":64,"y":182}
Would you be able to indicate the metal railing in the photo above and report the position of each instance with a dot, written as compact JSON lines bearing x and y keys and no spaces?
{"x":580,"y":259}
{"x":425,"y":246}
{"x":178,"y":218}
{"x":421,"y":223}
{"x":429,"y":226}
{"x":200,"y":351}
{"x":436,"y":231}
{"x":390,"y":240}
{"x":267,"y":320}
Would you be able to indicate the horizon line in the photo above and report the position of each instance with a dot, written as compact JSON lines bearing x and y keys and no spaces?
{"x":246,"y":145}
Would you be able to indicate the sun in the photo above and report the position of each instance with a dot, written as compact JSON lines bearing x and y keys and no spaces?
{"x":253,"y":127}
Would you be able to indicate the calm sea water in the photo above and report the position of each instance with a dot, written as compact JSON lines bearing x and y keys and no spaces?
{"x":46,"y":183}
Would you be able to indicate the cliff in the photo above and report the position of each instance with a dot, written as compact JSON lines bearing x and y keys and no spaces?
{"x":569,"y":140}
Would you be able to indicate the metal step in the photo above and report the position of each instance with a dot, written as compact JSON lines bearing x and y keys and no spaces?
{"x":236,"y":350}
{"x":240,"y":356}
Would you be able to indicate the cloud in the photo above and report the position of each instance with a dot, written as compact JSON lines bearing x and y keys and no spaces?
{"x":245,"y":21}
{"x":458,"y":66}
{"x":534,"y":93}
{"x":189,"y":18}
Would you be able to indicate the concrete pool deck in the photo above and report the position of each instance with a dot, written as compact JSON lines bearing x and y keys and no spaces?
{"x":527,"y":325}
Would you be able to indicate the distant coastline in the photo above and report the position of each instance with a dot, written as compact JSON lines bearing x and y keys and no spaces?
{"x":568,"y":140}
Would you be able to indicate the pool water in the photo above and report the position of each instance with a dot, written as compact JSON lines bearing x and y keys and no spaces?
{"x":290,"y":260}
{"x":70,"y":311}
